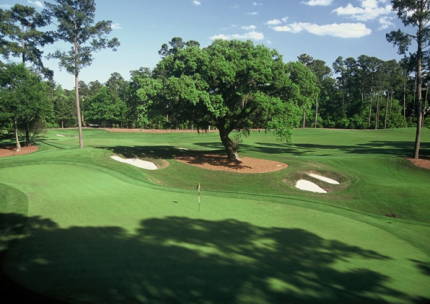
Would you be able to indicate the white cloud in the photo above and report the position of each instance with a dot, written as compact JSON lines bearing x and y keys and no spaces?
{"x":250,"y":27}
{"x":116,"y":26}
{"x":285,"y":19}
{"x":253,"y":13}
{"x":274,"y":22}
{"x":269,"y":41}
{"x":37,"y":3}
{"x":343,"y":30}
{"x":318,"y":2}
{"x":195,"y":2}
{"x":293,"y":28}
{"x":255,"y":4}
{"x":369,"y":10}
{"x":250,"y":35}
{"x":385,"y":22}
{"x":220,"y":36}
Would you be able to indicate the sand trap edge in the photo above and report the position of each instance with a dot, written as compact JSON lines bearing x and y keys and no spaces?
{"x":324,"y":179}
{"x":306,"y":185}
{"x":143,"y":164}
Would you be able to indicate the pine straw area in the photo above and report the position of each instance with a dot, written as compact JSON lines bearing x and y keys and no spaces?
{"x":11,"y":150}
{"x":422,"y":162}
{"x":222,"y":163}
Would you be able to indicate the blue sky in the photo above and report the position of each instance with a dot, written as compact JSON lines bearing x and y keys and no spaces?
{"x":323,"y":29}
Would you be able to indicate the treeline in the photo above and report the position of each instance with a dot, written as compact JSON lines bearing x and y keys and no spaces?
{"x":230,"y":85}
{"x":356,"y":93}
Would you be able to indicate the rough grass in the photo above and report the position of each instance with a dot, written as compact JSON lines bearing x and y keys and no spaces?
{"x":101,"y":231}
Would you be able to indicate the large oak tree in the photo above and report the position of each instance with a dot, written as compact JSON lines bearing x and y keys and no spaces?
{"x":232,"y":85}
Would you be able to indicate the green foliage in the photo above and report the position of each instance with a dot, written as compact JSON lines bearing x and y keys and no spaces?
{"x":232,"y":85}
{"x":22,"y":97}
{"x":104,"y":109}
{"x":427,"y":122}
{"x":28,"y":21}
{"x":64,"y":106}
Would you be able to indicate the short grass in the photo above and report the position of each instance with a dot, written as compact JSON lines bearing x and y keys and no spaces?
{"x":98,"y":231}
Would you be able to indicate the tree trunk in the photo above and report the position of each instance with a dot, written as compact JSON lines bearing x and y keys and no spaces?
{"x":18,"y":146}
{"x":78,"y":107}
{"x":23,"y":44}
{"x":78,"y":113}
{"x":62,"y":124}
{"x":228,"y":143}
{"x":419,"y":109}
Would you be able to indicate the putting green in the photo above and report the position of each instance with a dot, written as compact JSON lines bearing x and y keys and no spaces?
{"x":93,"y":238}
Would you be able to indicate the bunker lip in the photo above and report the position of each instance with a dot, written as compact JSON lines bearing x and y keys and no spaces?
{"x":136,"y":162}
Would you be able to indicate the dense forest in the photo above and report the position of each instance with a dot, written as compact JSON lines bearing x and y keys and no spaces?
{"x":230,"y":85}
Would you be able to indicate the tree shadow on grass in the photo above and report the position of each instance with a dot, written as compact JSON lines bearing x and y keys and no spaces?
{"x":423,"y":267}
{"x":399,"y":148}
{"x":183,"y":260}
{"x":215,"y":159}
{"x":163,"y":152}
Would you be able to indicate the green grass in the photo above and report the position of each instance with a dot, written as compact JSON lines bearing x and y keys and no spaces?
{"x":98,"y":231}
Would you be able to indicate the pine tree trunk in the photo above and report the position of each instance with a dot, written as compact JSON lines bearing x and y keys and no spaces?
{"x":18,"y":146}
{"x":78,"y":107}
{"x":419,"y":108}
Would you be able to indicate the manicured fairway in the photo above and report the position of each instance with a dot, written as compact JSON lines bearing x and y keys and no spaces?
{"x":98,"y":231}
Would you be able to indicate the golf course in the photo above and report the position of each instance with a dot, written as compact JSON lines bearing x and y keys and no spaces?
{"x":76,"y":226}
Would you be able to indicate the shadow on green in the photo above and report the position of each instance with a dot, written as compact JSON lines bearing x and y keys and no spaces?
{"x":183,"y":260}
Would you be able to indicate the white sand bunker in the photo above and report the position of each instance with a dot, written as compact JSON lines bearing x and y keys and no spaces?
{"x":309,"y":186}
{"x":136,"y":162}
{"x":324,"y":179}
{"x":185,"y":149}
{"x":60,"y":135}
